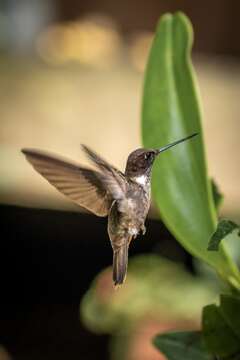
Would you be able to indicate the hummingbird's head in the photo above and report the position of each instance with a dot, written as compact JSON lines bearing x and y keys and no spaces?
{"x":140,"y":161}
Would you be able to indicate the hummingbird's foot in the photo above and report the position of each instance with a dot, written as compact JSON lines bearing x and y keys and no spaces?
{"x":143,"y":229}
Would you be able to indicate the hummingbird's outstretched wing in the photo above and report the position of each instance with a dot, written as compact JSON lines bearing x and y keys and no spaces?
{"x":81,"y":185}
{"x":112,"y":178}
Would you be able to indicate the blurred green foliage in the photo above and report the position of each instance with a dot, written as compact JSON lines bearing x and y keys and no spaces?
{"x":157,"y":291}
{"x":154,"y":285}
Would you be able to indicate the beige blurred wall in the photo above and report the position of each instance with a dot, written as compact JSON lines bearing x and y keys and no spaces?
{"x":57,"y":108}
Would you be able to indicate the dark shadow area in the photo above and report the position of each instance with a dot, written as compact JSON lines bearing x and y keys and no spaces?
{"x":48,"y":260}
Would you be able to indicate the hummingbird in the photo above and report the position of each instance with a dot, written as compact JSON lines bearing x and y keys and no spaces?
{"x":123,"y":197}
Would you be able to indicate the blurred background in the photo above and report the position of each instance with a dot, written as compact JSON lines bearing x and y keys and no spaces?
{"x":71,"y":72}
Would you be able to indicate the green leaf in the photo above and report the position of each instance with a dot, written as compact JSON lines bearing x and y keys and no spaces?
{"x":230,"y":307}
{"x":224,"y":228}
{"x":217,"y":195}
{"x":171,"y":111}
{"x":218,"y":335}
{"x":182,"y":346}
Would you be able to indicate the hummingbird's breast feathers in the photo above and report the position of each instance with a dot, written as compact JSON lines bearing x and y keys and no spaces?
{"x":142,"y":180}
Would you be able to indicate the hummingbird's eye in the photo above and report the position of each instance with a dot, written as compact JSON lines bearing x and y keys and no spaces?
{"x":148,"y":156}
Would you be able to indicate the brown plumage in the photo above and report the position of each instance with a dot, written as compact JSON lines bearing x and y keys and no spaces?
{"x":124,"y":198}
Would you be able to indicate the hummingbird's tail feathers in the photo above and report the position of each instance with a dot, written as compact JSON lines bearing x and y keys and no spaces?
{"x":120,"y":263}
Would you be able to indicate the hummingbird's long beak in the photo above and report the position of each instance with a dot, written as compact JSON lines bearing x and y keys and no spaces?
{"x":164,"y":148}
